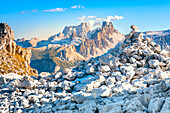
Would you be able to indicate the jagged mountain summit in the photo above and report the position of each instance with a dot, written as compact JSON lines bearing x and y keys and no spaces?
{"x":101,"y":41}
{"x":13,"y":58}
{"x":132,"y":78}
{"x":82,"y":30}
{"x":73,"y":44}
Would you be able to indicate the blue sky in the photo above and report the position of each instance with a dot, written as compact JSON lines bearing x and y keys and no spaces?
{"x":43,"y":18}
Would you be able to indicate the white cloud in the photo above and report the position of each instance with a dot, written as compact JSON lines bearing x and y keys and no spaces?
{"x":113,"y":18}
{"x":99,"y":19}
{"x":84,"y":18}
{"x":91,"y":17}
{"x":76,"y":7}
{"x":93,"y":21}
{"x":35,"y":10}
{"x":23,"y":12}
{"x":55,"y":10}
{"x":97,"y":23}
{"x":29,"y":11}
{"x":79,"y":6}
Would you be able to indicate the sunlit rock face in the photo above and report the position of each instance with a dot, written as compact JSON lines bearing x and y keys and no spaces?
{"x":13,"y":58}
{"x":83,"y":30}
{"x":101,"y":41}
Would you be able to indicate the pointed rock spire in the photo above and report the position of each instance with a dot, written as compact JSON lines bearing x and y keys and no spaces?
{"x":104,"y":24}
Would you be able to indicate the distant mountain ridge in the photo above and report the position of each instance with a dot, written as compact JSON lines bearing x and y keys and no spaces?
{"x":82,"y":30}
{"x":73,"y":44}
{"x":27,"y":43}
{"x":160,"y":37}
{"x":77,"y":43}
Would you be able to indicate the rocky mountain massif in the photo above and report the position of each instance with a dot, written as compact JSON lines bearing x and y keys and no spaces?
{"x":160,"y":37}
{"x":13,"y":58}
{"x":27,"y":43}
{"x":134,"y":78}
{"x":73,"y":44}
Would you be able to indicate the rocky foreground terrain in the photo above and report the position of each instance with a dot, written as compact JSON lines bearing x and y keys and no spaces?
{"x":133,"y":78}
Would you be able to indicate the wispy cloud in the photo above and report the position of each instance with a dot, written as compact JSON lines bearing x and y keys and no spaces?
{"x":55,"y":10}
{"x":29,"y":11}
{"x":112,"y":18}
{"x":76,"y":7}
{"x":35,"y":10}
{"x":93,"y":21}
{"x":84,"y":18}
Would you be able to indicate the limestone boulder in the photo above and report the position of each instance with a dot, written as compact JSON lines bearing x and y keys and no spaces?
{"x":102,"y":92}
{"x":166,"y":106}
{"x":155,"y":105}
{"x":153,"y":63}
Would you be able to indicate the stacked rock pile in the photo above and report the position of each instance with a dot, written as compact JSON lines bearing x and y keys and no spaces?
{"x":133,"y":78}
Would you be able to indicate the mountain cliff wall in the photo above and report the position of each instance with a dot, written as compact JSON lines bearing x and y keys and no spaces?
{"x":13,"y":58}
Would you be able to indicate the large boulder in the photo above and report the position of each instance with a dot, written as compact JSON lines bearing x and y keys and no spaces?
{"x":133,"y":106}
{"x":166,"y":106}
{"x":102,"y":92}
{"x":111,"y":108}
{"x":109,"y":60}
{"x":153,"y":63}
{"x":80,"y":97}
{"x":155,"y":105}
